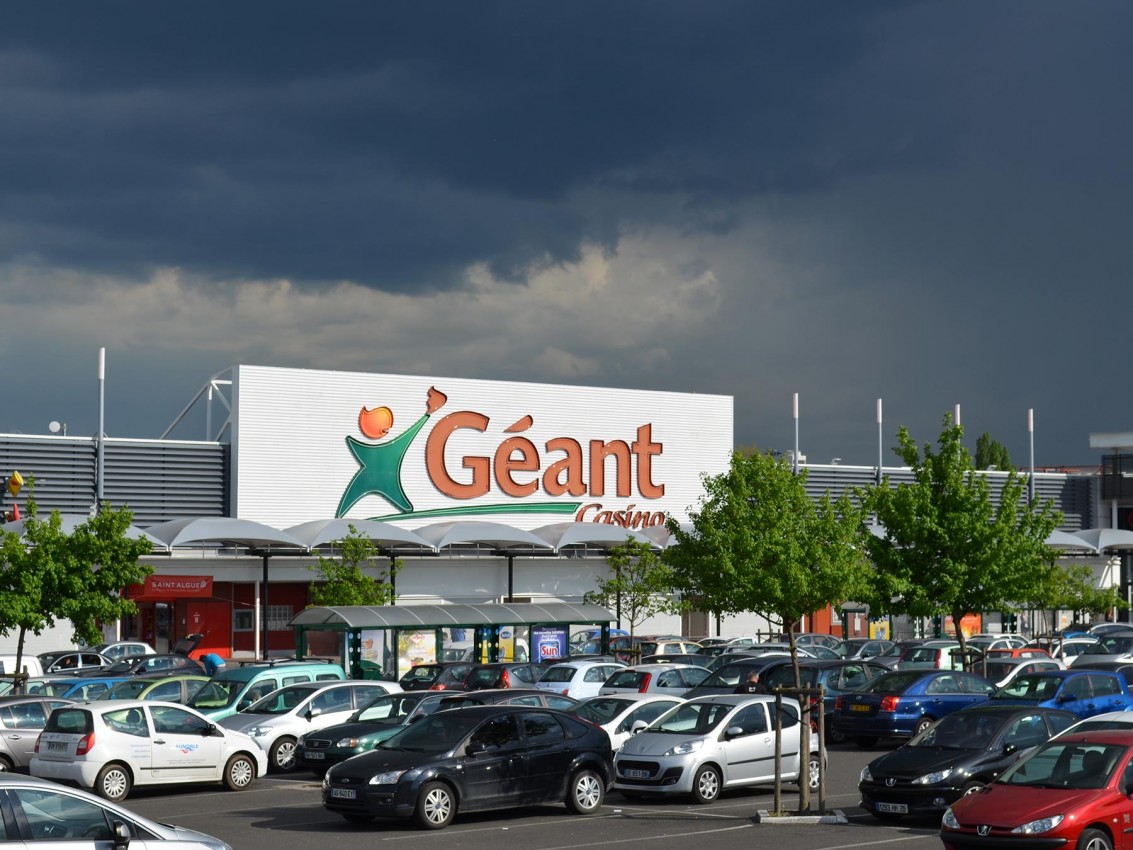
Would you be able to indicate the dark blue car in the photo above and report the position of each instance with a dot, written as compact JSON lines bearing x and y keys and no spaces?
{"x":1083,"y":692}
{"x":906,"y":702}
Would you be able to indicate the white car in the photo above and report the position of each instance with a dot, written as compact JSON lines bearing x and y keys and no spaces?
{"x":617,"y":713}
{"x":1101,"y":722}
{"x":111,"y":746}
{"x":280,"y":719}
{"x":709,"y":744}
{"x":669,"y":679}
{"x":578,"y":679}
{"x":1004,"y":671}
{"x":48,"y":814}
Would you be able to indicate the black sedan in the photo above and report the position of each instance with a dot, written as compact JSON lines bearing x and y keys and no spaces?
{"x":834,"y":677}
{"x":508,"y":696}
{"x":481,"y":757}
{"x":958,"y":754}
{"x":438,"y":676}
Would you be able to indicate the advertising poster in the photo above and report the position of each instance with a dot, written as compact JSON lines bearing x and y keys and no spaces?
{"x":549,"y":642}
{"x":419,"y":647}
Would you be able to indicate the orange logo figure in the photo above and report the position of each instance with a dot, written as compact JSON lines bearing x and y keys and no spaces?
{"x":375,"y":423}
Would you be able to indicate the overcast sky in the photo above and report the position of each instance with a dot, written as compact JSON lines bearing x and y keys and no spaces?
{"x":928,"y":203}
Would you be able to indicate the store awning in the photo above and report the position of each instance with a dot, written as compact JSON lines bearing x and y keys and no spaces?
{"x":444,"y":616}
{"x":321,"y":532}
{"x":596,"y":534}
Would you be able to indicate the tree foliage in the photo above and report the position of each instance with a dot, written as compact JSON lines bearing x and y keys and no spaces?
{"x":992,"y":454}
{"x":343,"y":580}
{"x":48,"y":576}
{"x":1071,"y":587}
{"x":949,"y":548}
{"x":639,"y":585}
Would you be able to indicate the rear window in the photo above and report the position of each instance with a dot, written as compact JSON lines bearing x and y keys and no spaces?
{"x":894,"y":683}
{"x":1111,"y":645}
{"x":70,"y":720}
{"x":482,"y":677}
{"x":558,"y":673}
{"x":921,"y":655}
{"x":626,"y":679}
{"x":422,"y":673}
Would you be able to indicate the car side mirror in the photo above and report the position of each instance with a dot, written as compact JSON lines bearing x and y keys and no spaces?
{"x":734,"y":731}
{"x":121,"y":835}
{"x":474,"y":748}
{"x":1065,"y":697}
{"x":637,"y":726}
{"x":1009,"y":749}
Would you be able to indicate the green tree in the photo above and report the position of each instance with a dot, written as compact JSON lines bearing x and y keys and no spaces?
{"x":992,"y":454}
{"x":760,"y":543}
{"x":638,"y":587}
{"x":949,"y":548}
{"x":48,"y":576}
{"x":1071,"y":587}
{"x":344,"y":581}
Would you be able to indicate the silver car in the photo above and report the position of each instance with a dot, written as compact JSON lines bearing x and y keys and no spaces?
{"x":712,"y":743}
{"x":22,"y":718}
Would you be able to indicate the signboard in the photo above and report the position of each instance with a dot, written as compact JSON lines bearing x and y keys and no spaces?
{"x":417,"y":450}
{"x":549,"y":642}
{"x":172,"y":587}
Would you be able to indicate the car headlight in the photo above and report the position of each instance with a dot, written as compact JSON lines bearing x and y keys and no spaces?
{"x":684,"y":748}
{"x":326,"y":780}
{"x":866,"y":776}
{"x":348,"y":743}
{"x":1040,"y":825}
{"x":387,"y":778}
{"x":933,"y":778}
{"x":949,"y":820}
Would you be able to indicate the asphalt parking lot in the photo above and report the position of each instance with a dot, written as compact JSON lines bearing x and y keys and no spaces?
{"x":285,"y":812}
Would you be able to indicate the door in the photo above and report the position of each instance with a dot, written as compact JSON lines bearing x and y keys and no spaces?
{"x":750,"y":755}
{"x":181,"y":750}
{"x":497,"y":768}
{"x":549,"y":756}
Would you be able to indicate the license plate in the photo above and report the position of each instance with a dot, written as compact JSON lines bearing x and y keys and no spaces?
{"x":637,"y":774}
{"x":859,"y":708}
{"x":893,"y":808}
{"x":57,"y":745}
{"x":313,"y":756}
{"x":344,"y":793}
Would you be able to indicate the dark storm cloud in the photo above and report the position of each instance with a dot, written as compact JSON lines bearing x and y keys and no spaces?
{"x":397,"y":145}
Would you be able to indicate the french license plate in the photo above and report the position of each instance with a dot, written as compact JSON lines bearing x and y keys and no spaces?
{"x":57,"y":745}
{"x":344,"y":793}
{"x":637,"y":774}
{"x":313,"y":755}
{"x":859,"y":707}
{"x":893,"y":808}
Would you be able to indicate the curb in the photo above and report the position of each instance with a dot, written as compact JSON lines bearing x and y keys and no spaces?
{"x":836,"y":816}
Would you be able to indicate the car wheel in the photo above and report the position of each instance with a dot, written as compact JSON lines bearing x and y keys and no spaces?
{"x":706,"y":784}
{"x":586,"y":793}
{"x":835,"y":735}
{"x":865,"y":740}
{"x":972,"y":788}
{"x":923,"y":724}
{"x":5,"y":764}
{"x":354,"y":817}
{"x":239,"y":772}
{"x":283,"y":754}
{"x":113,"y":783}
{"x":812,"y":772}
{"x":436,"y":806}
{"x":1094,"y":839}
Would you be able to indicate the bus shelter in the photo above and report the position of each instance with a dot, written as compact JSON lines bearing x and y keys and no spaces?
{"x":384,"y":641}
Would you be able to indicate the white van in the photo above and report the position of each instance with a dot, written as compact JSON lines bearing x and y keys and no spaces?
{"x":28,"y":663}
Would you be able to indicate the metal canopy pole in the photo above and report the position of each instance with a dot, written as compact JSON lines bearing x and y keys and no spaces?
{"x":264,"y":608}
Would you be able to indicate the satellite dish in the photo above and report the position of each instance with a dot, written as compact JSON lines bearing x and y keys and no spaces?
{"x":54,"y":427}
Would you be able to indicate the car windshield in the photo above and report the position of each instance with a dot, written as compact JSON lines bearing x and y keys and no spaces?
{"x":130,"y":689}
{"x":729,"y":675}
{"x":896,"y":682}
{"x":392,"y":708}
{"x":1031,"y":687}
{"x":283,"y":701}
{"x":893,"y":651}
{"x":215,"y":694}
{"x":1110,"y":645}
{"x":601,"y":709}
{"x":1066,"y":765}
{"x":996,"y":670}
{"x":784,"y":676}
{"x":960,"y":731}
{"x":437,"y":733}
{"x":692,"y":717}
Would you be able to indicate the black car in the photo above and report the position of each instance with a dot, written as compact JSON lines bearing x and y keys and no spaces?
{"x":726,"y":679}
{"x":481,"y":757}
{"x":147,"y":665}
{"x":438,"y":676}
{"x":835,"y":677}
{"x":681,"y":658}
{"x":508,"y":696}
{"x":958,"y":754}
{"x":503,"y":674}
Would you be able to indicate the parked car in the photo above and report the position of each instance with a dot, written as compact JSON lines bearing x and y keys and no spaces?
{"x":709,"y":744}
{"x":507,"y":696}
{"x":619,"y":713}
{"x":277,"y":721}
{"x":984,"y":642}
{"x":112,"y":746}
{"x":728,"y":677}
{"x":148,"y":665}
{"x":1111,"y":646}
{"x":1083,"y":692}
{"x":118,"y":649}
{"x":74,"y":689}
{"x":956,"y":755}
{"x":835,"y":677}
{"x":1068,"y":792}
{"x":861,"y":648}
{"x":1108,"y":720}
{"x":22,"y":718}
{"x":481,"y":757}
{"x":816,"y":639}
{"x":438,"y":676}
{"x":721,"y":661}
{"x":578,"y":679}
{"x":671,"y":679}
{"x":373,"y":723}
{"x":503,"y":674}
{"x":65,"y":663}
{"x":697,"y":659}
{"x":1067,"y":649}
{"x":903,"y":703}
{"x":236,"y":688}
{"x":180,"y":688}
{"x":933,"y":655}
{"x":46,"y":812}
{"x":1125,"y":668}
{"x":1109,"y":628}
{"x":891,"y":657}
{"x":631,"y":650}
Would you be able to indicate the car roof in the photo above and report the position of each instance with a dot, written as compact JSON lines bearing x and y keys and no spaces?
{"x":996,"y":708}
{"x":635,"y":696}
{"x":1101,"y":736}
{"x":653,"y":668}
{"x":732,"y":699}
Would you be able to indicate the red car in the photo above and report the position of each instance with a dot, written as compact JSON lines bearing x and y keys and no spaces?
{"x":1073,"y":791}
